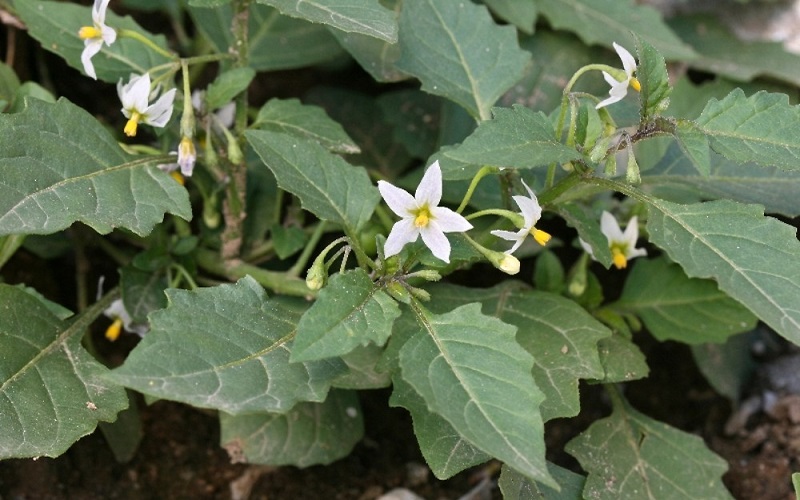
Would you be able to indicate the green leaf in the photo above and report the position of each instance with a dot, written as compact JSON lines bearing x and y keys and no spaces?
{"x":288,"y":240}
{"x":53,"y":391}
{"x":416,"y":117}
{"x":308,"y":434}
{"x":458,"y":52}
{"x":292,"y":117}
{"x":727,"y":367}
{"x":326,"y":184}
{"x":587,"y":223}
{"x":676,"y":307}
{"x":225,"y":348}
{"x":142,"y":292}
{"x":446,"y":452}
{"x":9,"y":83}
{"x":675,"y":178}
{"x":622,"y":360}
{"x":516,"y":137}
{"x":515,"y":486}
{"x":520,"y":14}
{"x":362,"y":371}
{"x":353,"y":16}
{"x":607,"y":21}
{"x":754,"y":259}
{"x":560,"y":335}
{"x":55,"y":25}
{"x":208,"y":3}
{"x":761,"y":128}
{"x":556,"y":57}
{"x":651,"y":71}
{"x":227,"y":86}
{"x":715,"y":46}
{"x":54,"y":173}
{"x":629,"y":455}
{"x":694,"y":144}
{"x":470,"y":371}
{"x":377,"y":57}
{"x":275,"y":41}
{"x":350,"y":311}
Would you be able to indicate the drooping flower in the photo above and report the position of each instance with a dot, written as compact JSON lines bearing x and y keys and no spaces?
{"x":620,"y":83}
{"x":121,"y":320}
{"x":136,"y":107}
{"x":531,"y":212}
{"x":94,"y":36}
{"x":187,"y":156}
{"x":421,"y":215}
{"x":622,"y":244}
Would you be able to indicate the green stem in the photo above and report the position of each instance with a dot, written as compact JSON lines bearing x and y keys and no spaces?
{"x":233,"y":270}
{"x":143,"y":39}
{"x":565,"y":95}
{"x":483,"y":172}
{"x":495,"y":211}
{"x":302,"y":260}
{"x":548,"y":196}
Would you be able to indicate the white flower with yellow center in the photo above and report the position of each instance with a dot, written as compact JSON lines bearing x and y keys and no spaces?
{"x":135,"y":97}
{"x":620,"y":82}
{"x":622,"y":244}
{"x":94,"y":36}
{"x":531,"y":212}
{"x":121,"y":320}
{"x":421,"y":215}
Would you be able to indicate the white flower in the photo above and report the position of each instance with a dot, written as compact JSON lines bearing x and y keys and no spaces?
{"x":117,"y":312}
{"x":94,"y":36}
{"x":135,"y":98}
{"x":531,"y":212}
{"x":225,"y":114}
{"x":186,"y":156}
{"x":622,"y":245}
{"x":619,"y":88}
{"x":421,"y":216}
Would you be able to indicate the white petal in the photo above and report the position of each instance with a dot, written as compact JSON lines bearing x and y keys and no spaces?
{"x":159,"y":113}
{"x":134,"y":94}
{"x":109,"y":35}
{"x":635,"y":252}
{"x":435,"y":239}
{"x":99,"y":11}
{"x":586,"y":247}
{"x":430,"y":187}
{"x":610,"y":100}
{"x":92,"y":47}
{"x":631,"y":233}
{"x":403,"y":232}
{"x":509,"y":235}
{"x":628,"y":62}
{"x":448,"y":221}
{"x":610,"y":227}
{"x":398,"y":200}
{"x":613,"y":82}
{"x":530,"y":209}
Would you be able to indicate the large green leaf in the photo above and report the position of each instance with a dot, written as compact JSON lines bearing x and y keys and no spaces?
{"x":675,"y":178}
{"x":520,"y":14}
{"x":560,"y":335}
{"x":350,"y":311}
{"x":52,"y":391}
{"x":676,"y":307}
{"x":763,"y":128}
{"x":275,"y":41}
{"x":651,"y":72}
{"x":292,"y":117}
{"x":723,"y":53}
{"x":367,"y":17}
{"x":469,"y":370}
{"x":607,"y":21}
{"x":517,"y":487}
{"x":629,"y":455}
{"x":458,"y":52}
{"x":226,"y":348}
{"x":58,"y":165}
{"x":327,"y":186}
{"x":55,"y":25}
{"x":308,"y":434}
{"x":754,"y":259}
{"x":516,"y":137}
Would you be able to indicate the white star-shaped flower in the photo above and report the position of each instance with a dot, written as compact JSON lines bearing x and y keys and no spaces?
{"x":421,"y":215}
{"x":619,"y":88}
{"x":135,"y":97}
{"x":622,"y":244}
{"x":94,"y":36}
{"x":121,"y":320}
{"x":531,"y":212}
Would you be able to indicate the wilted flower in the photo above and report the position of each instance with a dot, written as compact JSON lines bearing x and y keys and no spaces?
{"x":421,"y":215}
{"x":620,"y":82}
{"x":135,"y":97}
{"x":622,"y":245}
{"x":94,"y":36}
